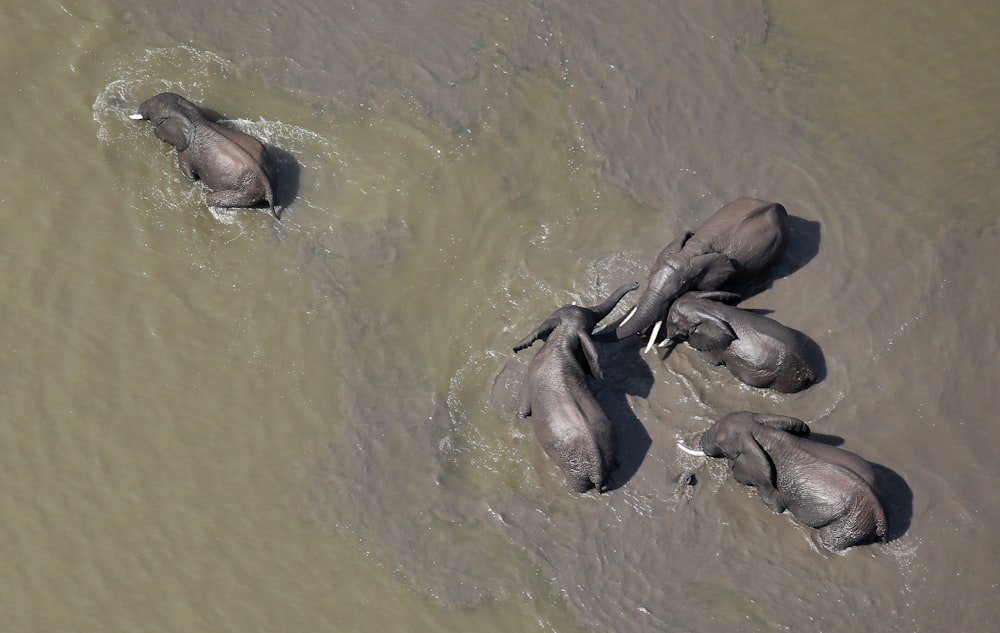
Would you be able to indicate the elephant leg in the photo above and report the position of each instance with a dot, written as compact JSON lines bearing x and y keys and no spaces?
{"x":231,"y":198}
{"x":839,"y":535}
{"x":863,"y":522}
{"x":524,"y":402}
{"x":771,"y":499}
{"x":187,"y":169}
{"x":712,"y":358}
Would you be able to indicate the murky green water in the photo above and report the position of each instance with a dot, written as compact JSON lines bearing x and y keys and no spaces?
{"x":906,"y":88}
{"x":211,"y":421}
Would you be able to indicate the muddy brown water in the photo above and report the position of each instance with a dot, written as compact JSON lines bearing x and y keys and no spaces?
{"x":213,"y":422}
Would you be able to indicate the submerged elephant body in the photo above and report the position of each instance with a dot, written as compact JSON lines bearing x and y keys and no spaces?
{"x":759,"y":351}
{"x":735,"y":244}
{"x":234,"y":166}
{"x":824,"y":487}
{"x":568,"y":420}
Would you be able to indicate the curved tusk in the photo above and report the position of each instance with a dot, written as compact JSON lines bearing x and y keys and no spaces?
{"x":652,"y":337}
{"x":691,"y":451}
{"x":628,"y":316}
{"x":136,"y":117}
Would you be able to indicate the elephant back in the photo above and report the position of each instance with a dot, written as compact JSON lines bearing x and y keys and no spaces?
{"x":750,"y":232}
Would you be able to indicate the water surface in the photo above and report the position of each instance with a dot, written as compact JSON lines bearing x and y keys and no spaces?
{"x":213,"y":421}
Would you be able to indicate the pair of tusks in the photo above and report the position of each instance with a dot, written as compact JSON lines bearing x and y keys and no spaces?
{"x":137,"y":117}
{"x":652,"y":336}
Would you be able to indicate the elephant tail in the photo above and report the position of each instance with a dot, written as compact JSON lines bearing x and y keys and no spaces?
{"x":881,"y":524}
{"x":871,"y":509}
{"x":275,"y":211}
{"x":267,"y":177}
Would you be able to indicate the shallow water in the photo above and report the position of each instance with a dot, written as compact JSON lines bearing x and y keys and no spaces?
{"x":212,"y":421}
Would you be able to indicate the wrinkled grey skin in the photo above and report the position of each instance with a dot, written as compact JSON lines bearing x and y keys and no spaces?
{"x":569,"y":422}
{"x":234,"y":166}
{"x":824,"y":487}
{"x":759,"y":351}
{"x":737,"y":242}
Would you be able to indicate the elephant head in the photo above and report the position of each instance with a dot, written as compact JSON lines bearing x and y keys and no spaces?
{"x":172,"y":117}
{"x":691,"y":319}
{"x":736,"y":437}
{"x":577,"y":322}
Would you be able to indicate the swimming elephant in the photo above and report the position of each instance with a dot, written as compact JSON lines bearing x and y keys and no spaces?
{"x":569,"y":422}
{"x":759,"y":351}
{"x":824,"y":487}
{"x":737,"y":242}
{"x":234,"y":166}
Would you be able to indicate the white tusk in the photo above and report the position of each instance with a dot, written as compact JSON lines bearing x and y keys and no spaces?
{"x":628,"y":316}
{"x":691,"y":451}
{"x":652,"y":337}
{"x":663,"y":343}
{"x":137,"y":117}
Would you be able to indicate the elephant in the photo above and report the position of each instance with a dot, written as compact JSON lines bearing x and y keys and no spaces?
{"x":234,"y":166}
{"x":734,"y":245}
{"x":825,"y":487}
{"x":568,"y":421}
{"x":759,"y":351}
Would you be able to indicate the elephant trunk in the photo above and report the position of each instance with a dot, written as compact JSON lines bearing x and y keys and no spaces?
{"x":604,"y":308}
{"x":651,"y":308}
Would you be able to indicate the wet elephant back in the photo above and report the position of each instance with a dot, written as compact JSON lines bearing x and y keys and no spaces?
{"x":253,"y":148}
{"x":750,"y":232}
{"x":227,"y":159}
{"x":799,"y":457}
{"x":820,"y":492}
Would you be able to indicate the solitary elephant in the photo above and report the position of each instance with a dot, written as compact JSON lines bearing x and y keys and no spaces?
{"x":234,"y":166}
{"x":737,"y":242}
{"x":823,"y":486}
{"x":569,"y":422}
{"x":759,"y":351}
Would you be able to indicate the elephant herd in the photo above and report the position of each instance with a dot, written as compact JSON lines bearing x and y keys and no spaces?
{"x":687,"y":297}
{"x":824,"y":487}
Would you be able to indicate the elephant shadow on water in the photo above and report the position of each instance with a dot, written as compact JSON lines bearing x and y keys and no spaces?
{"x":801,"y":248}
{"x":803,"y":245}
{"x":287,"y":174}
{"x":627,"y":374}
{"x":893,"y":491}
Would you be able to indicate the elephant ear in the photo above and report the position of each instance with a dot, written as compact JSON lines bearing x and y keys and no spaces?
{"x":176,"y":130}
{"x":784,"y":423}
{"x":711,"y":334}
{"x":728,"y":298}
{"x":711,"y":270}
{"x":678,"y":243}
{"x":754,"y":467}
